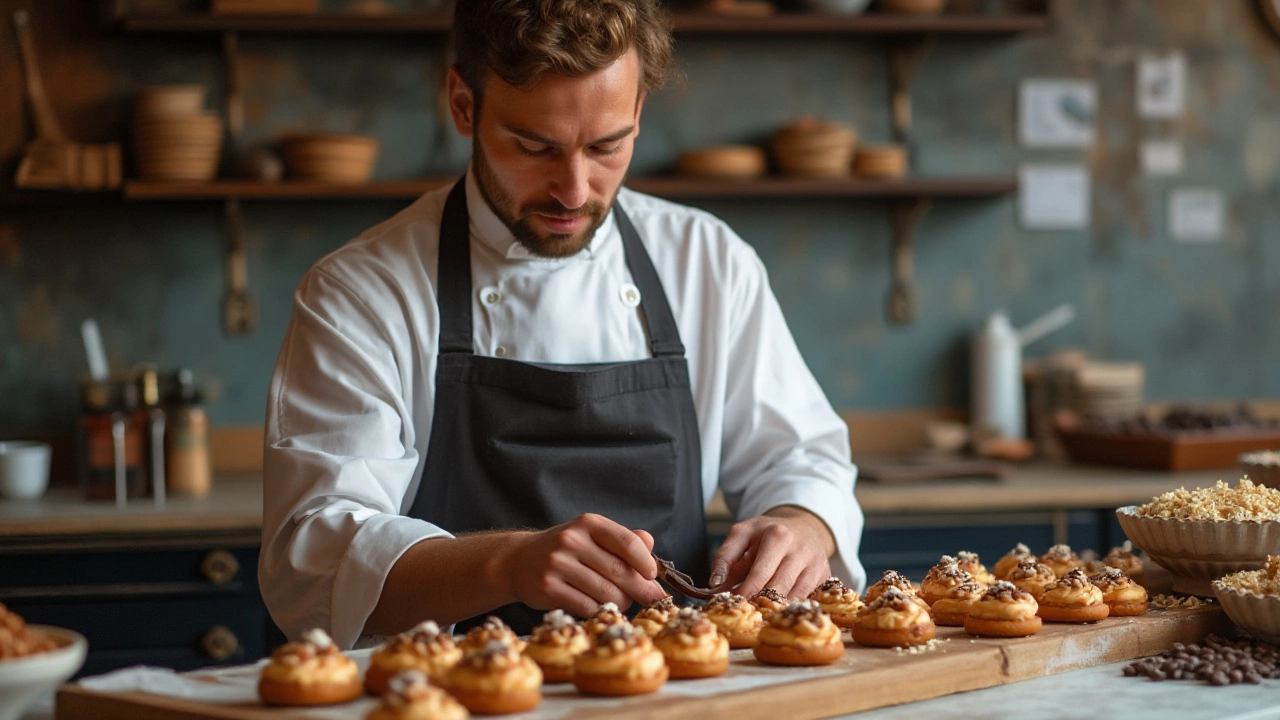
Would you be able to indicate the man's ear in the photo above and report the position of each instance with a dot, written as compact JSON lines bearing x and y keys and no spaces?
{"x":461,"y":104}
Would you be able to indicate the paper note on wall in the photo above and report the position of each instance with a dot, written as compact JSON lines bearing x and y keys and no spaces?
{"x":1162,"y":85}
{"x":1053,"y":197}
{"x":1057,"y":113}
{"x":1197,"y":215}
{"x":1161,"y":158}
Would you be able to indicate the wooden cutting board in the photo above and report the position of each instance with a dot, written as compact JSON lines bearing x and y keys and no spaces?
{"x":863,"y":679}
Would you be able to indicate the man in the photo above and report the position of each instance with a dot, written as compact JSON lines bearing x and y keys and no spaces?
{"x":507,"y":396}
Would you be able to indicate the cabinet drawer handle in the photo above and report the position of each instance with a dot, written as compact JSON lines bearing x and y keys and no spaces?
{"x":219,"y":643}
{"x":220,"y":567}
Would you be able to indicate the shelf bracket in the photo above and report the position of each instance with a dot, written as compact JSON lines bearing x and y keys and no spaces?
{"x":239,"y":310}
{"x":904,"y":220}
{"x":905,"y":58}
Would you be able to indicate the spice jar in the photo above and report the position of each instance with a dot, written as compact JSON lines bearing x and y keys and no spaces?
{"x":110,"y":439}
{"x":187,"y":445}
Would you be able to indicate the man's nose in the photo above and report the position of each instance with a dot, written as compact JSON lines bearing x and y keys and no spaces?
{"x":571,"y":185}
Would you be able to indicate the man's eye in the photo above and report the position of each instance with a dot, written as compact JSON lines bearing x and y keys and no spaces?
{"x":533,"y":148}
{"x":607,"y":149}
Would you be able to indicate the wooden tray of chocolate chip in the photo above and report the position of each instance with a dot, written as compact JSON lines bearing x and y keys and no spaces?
{"x":865,"y":678}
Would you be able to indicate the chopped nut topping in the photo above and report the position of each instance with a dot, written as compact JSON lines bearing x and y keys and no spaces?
{"x":1004,"y":591}
{"x":1246,"y":502}
{"x":1032,"y":568}
{"x":891,"y":598}
{"x":1020,"y":549}
{"x":1168,"y":602}
{"x":896,"y":579}
{"x":726,"y":602}
{"x":1264,"y":582}
{"x":492,"y":629}
{"x":1110,"y":577}
{"x":558,"y":628}
{"x":968,"y":588}
{"x":1076,"y":580}
{"x":831,"y":583}
{"x":777,"y":597}
{"x":664,"y":604}
{"x":688,"y":621}
{"x":618,"y":638}
{"x":1059,"y":553}
{"x":17,"y":640}
{"x":798,"y":613}
{"x":495,"y":655}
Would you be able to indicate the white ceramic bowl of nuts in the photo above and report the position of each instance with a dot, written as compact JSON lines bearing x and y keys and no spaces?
{"x":1251,"y":599}
{"x":1201,"y":535}
{"x":25,"y":678}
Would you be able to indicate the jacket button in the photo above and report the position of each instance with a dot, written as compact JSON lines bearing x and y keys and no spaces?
{"x":490,"y":295}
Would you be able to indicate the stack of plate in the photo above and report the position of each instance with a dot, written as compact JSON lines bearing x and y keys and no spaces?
{"x":174,"y":138}
{"x":880,"y":161}
{"x":1108,"y":388}
{"x":814,"y":148}
{"x":327,"y":157}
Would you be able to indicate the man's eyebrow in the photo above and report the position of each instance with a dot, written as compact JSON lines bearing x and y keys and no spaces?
{"x":542,"y":140}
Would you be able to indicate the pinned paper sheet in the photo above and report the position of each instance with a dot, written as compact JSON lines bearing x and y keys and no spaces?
{"x":1161,"y":158}
{"x":1058,"y":113}
{"x":1162,"y":85}
{"x":1197,"y":215}
{"x":1053,"y":197}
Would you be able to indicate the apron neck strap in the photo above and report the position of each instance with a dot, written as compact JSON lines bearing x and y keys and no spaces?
{"x":453,"y":281}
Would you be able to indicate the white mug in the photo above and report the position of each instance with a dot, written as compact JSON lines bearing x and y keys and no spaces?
{"x":24,"y":469}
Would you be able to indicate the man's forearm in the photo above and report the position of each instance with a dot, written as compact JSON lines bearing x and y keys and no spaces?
{"x":446,"y":580}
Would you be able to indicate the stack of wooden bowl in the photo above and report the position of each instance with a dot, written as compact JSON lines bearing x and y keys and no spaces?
{"x":815,"y":148}
{"x":913,"y":7}
{"x":730,"y":162}
{"x":887,"y":162}
{"x":264,"y":7}
{"x":329,"y":158}
{"x":174,"y":137}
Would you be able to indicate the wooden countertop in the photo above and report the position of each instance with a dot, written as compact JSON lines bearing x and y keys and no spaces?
{"x":235,"y":504}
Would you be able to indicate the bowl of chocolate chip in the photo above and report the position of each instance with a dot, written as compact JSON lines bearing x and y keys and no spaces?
{"x":1203,"y":534}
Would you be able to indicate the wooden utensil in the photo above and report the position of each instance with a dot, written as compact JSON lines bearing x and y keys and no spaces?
{"x":51,"y":161}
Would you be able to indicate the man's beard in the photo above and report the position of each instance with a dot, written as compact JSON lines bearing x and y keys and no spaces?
{"x":520,"y":220}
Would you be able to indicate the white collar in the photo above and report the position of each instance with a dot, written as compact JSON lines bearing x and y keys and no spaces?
{"x":489,"y":229}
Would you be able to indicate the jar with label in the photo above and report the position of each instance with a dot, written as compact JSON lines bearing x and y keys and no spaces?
{"x":187,"y":446}
{"x":110,"y":440}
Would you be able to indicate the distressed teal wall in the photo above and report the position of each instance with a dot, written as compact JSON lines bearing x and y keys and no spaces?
{"x":1201,"y":317}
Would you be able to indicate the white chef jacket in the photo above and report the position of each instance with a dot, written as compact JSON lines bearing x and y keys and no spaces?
{"x":351,"y":401}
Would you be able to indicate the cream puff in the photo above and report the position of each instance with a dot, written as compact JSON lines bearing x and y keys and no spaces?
{"x":839,"y":602}
{"x":1073,"y":599}
{"x":941,"y":578}
{"x":1122,"y":595}
{"x":769,"y":601}
{"x":621,"y":661}
{"x":495,"y":680}
{"x":1033,"y":576}
{"x":424,"y":648}
{"x":952,"y":608}
{"x":1062,"y":559}
{"x":799,"y":634}
{"x":493,"y":628}
{"x":606,"y":616}
{"x":410,"y":697}
{"x":970,"y":563}
{"x":653,"y":618}
{"x":692,"y":646}
{"x":310,"y":671}
{"x":894,"y":619}
{"x":555,"y":643}
{"x":1124,"y":559}
{"x":735,"y":617}
{"x":1004,"y":611}
{"x":892,"y":578}
{"x":1010,"y":560}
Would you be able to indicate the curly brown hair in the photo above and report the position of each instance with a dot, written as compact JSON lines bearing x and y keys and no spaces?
{"x":521,"y":40}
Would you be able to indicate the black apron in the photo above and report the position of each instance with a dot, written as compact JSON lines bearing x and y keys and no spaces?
{"x":521,"y":445}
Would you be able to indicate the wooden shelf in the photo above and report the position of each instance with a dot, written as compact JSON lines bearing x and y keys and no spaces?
{"x":690,"y":23}
{"x":669,"y":187}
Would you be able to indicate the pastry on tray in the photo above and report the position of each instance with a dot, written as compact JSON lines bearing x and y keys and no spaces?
{"x":495,"y":680}
{"x":493,"y":629}
{"x":1073,"y":599}
{"x":951,"y":609}
{"x":692,"y":646}
{"x":1128,"y":562}
{"x":653,"y":618}
{"x":1062,"y":559}
{"x":1004,"y":611}
{"x":970,"y":563}
{"x":621,"y":661}
{"x":1033,"y":576}
{"x":941,"y":578}
{"x":555,"y":644}
{"x":424,"y":648}
{"x":410,"y":697}
{"x":606,"y":616}
{"x":1010,"y":560}
{"x":894,"y":619}
{"x":1121,"y":593}
{"x":769,"y":601}
{"x":735,"y":617}
{"x":799,"y":634}
{"x":892,"y":578}
{"x":838,"y":601}
{"x":310,"y":671}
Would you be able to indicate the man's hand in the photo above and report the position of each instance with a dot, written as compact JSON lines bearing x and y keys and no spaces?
{"x":582,"y":564}
{"x":786,"y":549}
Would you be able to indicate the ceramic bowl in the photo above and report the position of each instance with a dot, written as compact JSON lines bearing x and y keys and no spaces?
{"x":1198,"y":552}
{"x":1259,"y":614}
{"x":23,"y":680}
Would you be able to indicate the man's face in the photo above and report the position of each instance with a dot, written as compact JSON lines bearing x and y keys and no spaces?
{"x":549,"y":159}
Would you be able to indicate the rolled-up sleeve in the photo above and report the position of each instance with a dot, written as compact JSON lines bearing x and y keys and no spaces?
{"x":339,"y":461}
{"x":783,"y":444}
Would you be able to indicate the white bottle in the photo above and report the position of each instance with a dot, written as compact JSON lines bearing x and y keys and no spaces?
{"x":997,"y":379}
